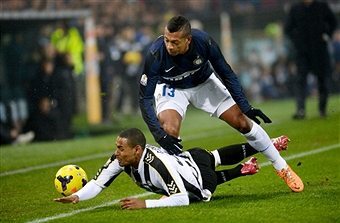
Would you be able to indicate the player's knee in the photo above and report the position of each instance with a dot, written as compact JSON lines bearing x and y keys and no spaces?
{"x":243,"y":124}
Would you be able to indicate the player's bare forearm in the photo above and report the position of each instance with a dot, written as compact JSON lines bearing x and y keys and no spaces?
{"x":69,"y":199}
{"x":132,"y":203}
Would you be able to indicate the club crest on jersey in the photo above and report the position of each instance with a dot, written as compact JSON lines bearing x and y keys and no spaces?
{"x":198,"y":61}
{"x":144,"y":80}
{"x":149,"y":158}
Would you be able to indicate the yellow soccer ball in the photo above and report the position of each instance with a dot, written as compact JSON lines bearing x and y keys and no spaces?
{"x":69,"y":179}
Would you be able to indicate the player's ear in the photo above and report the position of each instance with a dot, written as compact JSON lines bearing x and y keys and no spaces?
{"x":189,"y":38}
{"x":139,"y":149}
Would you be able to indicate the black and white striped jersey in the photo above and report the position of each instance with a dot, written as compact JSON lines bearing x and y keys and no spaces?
{"x":177,"y":177}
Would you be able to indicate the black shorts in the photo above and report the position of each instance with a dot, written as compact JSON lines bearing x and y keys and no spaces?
{"x":206,"y":163}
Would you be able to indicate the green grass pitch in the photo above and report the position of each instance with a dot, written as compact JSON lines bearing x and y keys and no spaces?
{"x":27,"y":175}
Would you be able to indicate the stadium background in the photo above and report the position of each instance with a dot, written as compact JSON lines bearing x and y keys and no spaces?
{"x":105,"y":78}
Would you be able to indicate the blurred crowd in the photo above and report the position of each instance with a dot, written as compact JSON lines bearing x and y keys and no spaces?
{"x":38,"y":90}
{"x":43,"y":85}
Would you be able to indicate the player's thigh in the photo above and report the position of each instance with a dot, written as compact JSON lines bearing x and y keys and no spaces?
{"x":206,"y":163}
{"x":212,"y":97}
{"x":167,"y":98}
{"x":171,"y":121}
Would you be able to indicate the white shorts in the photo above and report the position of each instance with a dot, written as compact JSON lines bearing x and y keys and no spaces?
{"x":211,"y":96}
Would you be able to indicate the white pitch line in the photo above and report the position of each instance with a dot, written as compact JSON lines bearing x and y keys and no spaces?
{"x":298,"y":155}
{"x":45,"y":166}
{"x":64,"y":215}
{"x":308,"y":153}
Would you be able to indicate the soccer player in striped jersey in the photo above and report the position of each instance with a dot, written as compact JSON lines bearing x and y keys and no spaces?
{"x":180,"y":179}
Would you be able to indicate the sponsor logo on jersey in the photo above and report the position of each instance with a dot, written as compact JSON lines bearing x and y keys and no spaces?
{"x":144,"y":80}
{"x":181,"y":76}
{"x":198,"y":61}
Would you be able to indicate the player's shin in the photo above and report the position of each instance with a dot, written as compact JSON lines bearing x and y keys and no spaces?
{"x":229,"y":174}
{"x":233,"y":154}
{"x":260,"y":141}
{"x":248,"y":168}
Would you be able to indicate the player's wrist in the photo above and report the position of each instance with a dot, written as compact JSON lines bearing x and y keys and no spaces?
{"x":75,"y":198}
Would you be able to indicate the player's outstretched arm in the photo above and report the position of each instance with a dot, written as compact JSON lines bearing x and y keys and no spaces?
{"x":69,"y":199}
{"x":132,"y":203}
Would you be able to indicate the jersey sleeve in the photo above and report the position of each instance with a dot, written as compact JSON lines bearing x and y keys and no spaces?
{"x":227,"y":75}
{"x":103,"y":179}
{"x":173,"y":200}
{"x":108,"y":173}
{"x":90,"y":190}
{"x":148,"y":84}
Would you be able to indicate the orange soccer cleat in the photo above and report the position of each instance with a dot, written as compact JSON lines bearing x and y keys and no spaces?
{"x":291,"y":178}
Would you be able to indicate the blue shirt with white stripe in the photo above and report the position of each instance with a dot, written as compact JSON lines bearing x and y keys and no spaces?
{"x":188,"y":70}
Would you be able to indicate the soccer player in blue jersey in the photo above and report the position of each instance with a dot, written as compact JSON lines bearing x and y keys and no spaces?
{"x":185,"y":66}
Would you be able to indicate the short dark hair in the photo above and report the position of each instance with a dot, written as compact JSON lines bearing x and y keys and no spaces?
{"x":134,"y":137}
{"x":179,"y":23}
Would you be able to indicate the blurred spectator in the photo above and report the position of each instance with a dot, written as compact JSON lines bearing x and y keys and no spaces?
{"x":13,"y":136}
{"x":52,"y":95}
{"x":107,"y":67}
{"x":267,"y":84}
{"x":44,"y":117}
{"x":63,"y":85}
{"x":45,"y":121}
{"x":281,"y":74}
{"x":14,"y":72}
{"x":310,"y":24}
{"x":9,"y":132}
{"x":131,"y":59}
{"x":67,"y":39}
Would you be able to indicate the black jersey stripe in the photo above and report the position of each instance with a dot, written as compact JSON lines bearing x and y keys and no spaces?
{"x":149,"y":186}
{"x":151,"y":159}
{"x":193,"y":192}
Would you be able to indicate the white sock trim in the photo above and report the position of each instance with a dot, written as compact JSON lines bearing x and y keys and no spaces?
{"x":217,"y":158}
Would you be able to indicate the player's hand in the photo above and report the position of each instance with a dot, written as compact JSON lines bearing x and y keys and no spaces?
{"x":253,"y":113}
{"x":69,"y":199}
{"x":132,"y":203}
{"x":171,"y":144}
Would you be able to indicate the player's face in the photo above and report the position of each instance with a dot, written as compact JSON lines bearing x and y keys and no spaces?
{"x":126,"y":155}
{"x":177,"y":42}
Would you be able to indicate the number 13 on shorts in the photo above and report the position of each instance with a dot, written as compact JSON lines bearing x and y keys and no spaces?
{"x":168,"y":91}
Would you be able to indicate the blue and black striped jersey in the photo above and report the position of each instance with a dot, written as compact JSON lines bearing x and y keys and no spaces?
{"x":188,"y":70}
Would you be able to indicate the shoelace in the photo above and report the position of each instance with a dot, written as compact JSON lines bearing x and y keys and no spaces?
{"x":288,"y":176}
